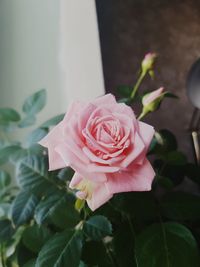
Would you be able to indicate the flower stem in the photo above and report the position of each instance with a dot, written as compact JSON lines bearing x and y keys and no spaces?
{"x":137,"y":85}
{"x":2,"y":256}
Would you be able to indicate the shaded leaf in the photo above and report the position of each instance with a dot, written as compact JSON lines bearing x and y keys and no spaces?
{"x":34,"y":237}
{"x":167,"y":245}
{"x":5,"y":179}
{"x":64,"y":249}
{"x":6,"y":230}
{"x":180,"y":206}
{"x":23,"y":207}
{"x":97,"y":227}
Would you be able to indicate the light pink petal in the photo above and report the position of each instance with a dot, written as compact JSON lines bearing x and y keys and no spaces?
{"x":83,"y":117}
{"x":139,"y":179}
{"x":102,"y":169}
{"x":99,"y":197}
{"x":50,"y":141}
{"x":76,"y":179}
{"x":138,"y":149}
{"x":122,"y":108}
{"x":79,"y":166}
{"x":146,"y":132}
{"x":74,"y":108}
{"x":107,"y":99}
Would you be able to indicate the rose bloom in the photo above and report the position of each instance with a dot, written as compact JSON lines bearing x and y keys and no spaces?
{"x":105,"y":145}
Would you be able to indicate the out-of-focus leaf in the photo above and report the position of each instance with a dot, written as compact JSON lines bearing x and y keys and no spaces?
{"x":35,"y":103}
{"x":35,"y":136}
{"x":5,"y":179}
{"x":167,"y":245}
{"x":6,"y":230}
{"x":53,"y":121}
{"x":8,"y":115}
{"x":28,"y":121}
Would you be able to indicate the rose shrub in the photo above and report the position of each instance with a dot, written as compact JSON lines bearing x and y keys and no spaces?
{"x":44,"y":223}
{"x":106,"y":146}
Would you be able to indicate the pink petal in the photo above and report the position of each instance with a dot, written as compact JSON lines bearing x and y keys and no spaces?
{"x":79,"y":166}
{"x":138,"y":148}
{"x":76,"y":179}
{"x":138,"y":179}
{"x":146,"y":133}
{"x":54,"y":138}
{"x":99,"y":197}
{"x":107,"y":99}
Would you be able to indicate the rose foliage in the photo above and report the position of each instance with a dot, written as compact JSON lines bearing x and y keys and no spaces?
{"x":103,"y":188}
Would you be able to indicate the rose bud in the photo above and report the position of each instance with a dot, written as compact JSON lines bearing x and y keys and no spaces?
{"x":148,"y":63}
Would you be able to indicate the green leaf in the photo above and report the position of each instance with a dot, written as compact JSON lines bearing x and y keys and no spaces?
{"x":8,"y":115}
{"x":82,"y":264}
{"x":124,"y":253}
{"x":32,"y":174}
{"x":7,"y":152}
{"x":34,"y":237}
{"x":4,"y":210}
{"x":35,"y":103}
{"x":180,"y":206}
{"x":168,"y":94}
{"x":95,"y":254}
{"x":97,"y":227}
{"x":164,"y":141}
{"x":30,"y":263}
{"x":192,"y":171}
{"x":167,"y":245}
{"x":35,"y":136}
{"x":124,"y":91}
{"x":5,"y":180}
{"x":27,"y":121}
{"x":140,"y":205}
{"x":54,"y":121}
{"x":66,"y":174}
{"x":6,"y":230}
{"x":64,"y":249}
{"x":175,"y":158}
{"x":23,"y":207}
{"x":64,"y":215}
{"x":47,"y":206}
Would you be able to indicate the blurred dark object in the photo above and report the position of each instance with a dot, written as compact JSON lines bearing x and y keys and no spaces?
{"x":193,"y":93}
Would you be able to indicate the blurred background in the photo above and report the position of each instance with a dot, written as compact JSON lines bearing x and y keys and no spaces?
{"x":43,"y":45}
{"x":131,"y":28}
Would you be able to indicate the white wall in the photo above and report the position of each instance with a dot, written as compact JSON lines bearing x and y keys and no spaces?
{"x":30,"y":50}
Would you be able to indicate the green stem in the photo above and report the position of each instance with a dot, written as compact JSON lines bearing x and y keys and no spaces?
{"x":138,"y":83}
{"x":141,"y":116}
{"x":2,"y":256}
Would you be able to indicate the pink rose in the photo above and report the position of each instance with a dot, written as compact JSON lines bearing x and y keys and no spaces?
{"x":106,"y":146}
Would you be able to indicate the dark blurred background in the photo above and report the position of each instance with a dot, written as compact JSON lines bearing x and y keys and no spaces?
{"x":131,"y":28}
